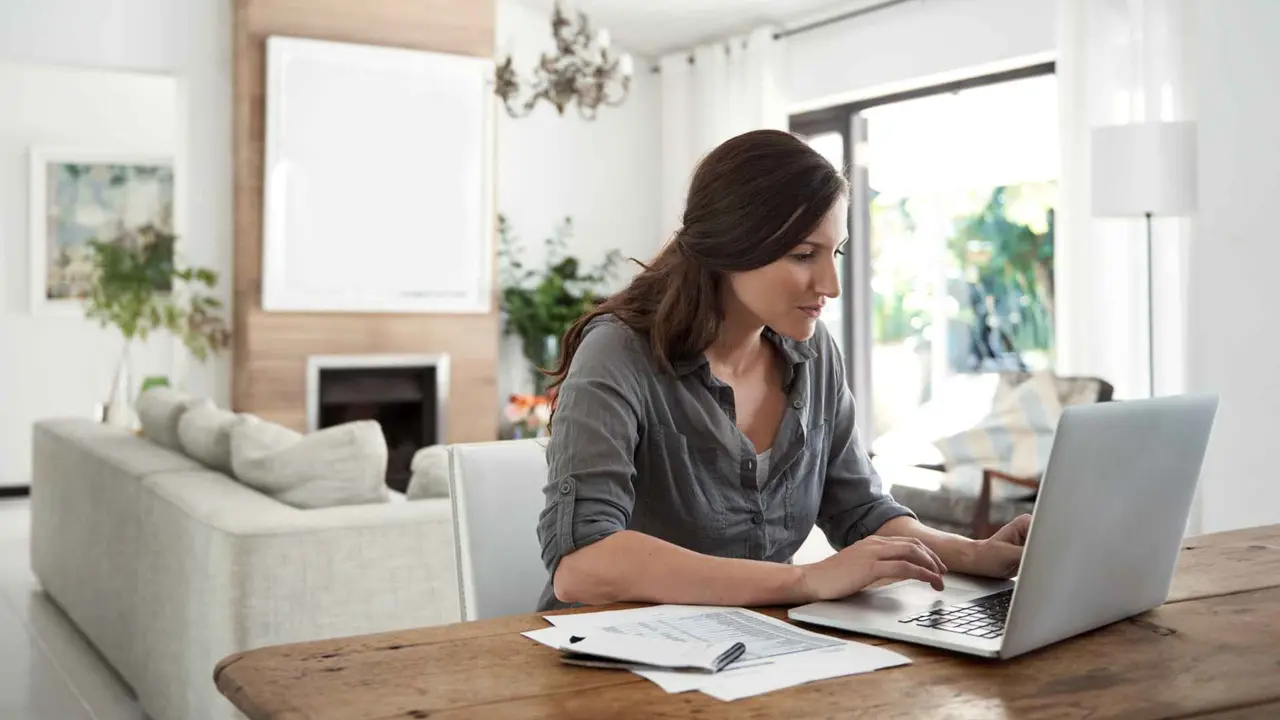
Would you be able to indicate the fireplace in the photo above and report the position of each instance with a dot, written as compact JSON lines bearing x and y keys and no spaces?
{"x":405,"y":394}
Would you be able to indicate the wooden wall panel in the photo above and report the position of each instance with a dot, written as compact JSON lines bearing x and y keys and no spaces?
{"x":270,"y":353}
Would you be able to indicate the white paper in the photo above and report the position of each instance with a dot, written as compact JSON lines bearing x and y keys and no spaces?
{"x":848,"y":659}
{"x":653,"y":652}
{"x":672,"y":681}
{"x":763,"y":636}
{"x":552,"y":637}
{"x":779,"y":655}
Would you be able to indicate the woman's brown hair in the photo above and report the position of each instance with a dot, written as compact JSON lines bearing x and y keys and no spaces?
{"x":751,"y":201}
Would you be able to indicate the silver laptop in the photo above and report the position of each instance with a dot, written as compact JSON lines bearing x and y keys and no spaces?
{"x":1106,"y":530}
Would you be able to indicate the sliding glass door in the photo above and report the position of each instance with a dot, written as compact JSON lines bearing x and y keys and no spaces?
{"x":950,"y":278}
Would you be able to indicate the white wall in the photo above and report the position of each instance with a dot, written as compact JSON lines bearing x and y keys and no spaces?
{"x":1235,"y":257}
{"x":915,"y":44}
{"x":61,"y":365}
{"x":189,"y":40}
{"x":603,"y":173}
{"x":125,"y":34}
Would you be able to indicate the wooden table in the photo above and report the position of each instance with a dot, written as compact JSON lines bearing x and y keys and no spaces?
{"x":1212,"y":651}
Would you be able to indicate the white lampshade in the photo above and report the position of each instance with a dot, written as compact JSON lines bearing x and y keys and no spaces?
{"x":1144,"y":168}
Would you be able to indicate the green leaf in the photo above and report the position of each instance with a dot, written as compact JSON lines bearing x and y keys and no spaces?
{"x":542,"y":303}
{"x":132,"y":281}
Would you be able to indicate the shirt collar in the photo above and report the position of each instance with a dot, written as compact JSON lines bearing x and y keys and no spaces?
{"x":792,"y":351}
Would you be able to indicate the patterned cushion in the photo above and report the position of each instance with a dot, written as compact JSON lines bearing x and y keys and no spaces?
{"x":1015,"y":438}
{"x":1071,"y":390}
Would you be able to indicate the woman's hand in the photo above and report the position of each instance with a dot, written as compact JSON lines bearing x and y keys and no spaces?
{"x":868,"y":560}
{"x":1001,"y":554}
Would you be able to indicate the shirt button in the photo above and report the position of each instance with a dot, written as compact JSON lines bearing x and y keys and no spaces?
{"x":797,"y":404}
{"x":757,"y":518}
{"x":565,"y":488}
{"x":749,"y":464}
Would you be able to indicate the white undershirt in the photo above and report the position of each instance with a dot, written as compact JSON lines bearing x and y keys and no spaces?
{"x":762,"y":467}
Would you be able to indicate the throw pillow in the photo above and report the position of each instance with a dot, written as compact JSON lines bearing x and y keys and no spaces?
{"x":159,"y":410}
{"x":340,"y":465}
{"x":430,"y":478}
{"x":1015,"y":438}
{"x":1071,"y":390}
{"x":204,"y":431}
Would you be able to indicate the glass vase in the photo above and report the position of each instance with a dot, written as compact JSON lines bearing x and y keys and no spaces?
{"x":119,"y":411}
{"x":542,"y":353}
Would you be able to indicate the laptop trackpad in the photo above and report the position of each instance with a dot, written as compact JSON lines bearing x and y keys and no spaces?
{"x":913,"y":596}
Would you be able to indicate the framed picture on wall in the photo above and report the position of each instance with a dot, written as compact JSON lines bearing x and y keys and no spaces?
{"x":82,"y":195}
{"x":377,"y":179}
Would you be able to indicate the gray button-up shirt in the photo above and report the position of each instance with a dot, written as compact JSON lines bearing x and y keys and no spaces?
{"x":633,"y":447}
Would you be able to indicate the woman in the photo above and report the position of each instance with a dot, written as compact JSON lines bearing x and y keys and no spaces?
{"x":703,"y":423}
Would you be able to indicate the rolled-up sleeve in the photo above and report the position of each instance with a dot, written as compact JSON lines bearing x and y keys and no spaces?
{"x":590,"y":493}
{"x":854,"y":501}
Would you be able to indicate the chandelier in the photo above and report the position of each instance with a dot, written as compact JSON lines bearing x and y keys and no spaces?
{"x":583,"y":69}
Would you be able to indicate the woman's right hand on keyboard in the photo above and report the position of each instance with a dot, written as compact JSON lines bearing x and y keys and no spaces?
{"x":869,"y":560}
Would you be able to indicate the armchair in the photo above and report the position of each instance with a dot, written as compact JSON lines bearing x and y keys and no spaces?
{"x":1000,"y":496}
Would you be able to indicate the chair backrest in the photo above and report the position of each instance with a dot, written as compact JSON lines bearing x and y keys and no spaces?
{"x":496,"y":489}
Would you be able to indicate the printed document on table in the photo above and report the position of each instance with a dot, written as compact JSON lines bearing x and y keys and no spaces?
{"x":778,"y":654}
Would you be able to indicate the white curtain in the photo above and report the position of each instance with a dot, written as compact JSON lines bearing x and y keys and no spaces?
{"x":1119,"y":61}
{"x":730,"y":87}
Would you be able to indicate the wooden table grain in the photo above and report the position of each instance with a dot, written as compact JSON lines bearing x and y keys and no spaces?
{"x":1213,"y":650}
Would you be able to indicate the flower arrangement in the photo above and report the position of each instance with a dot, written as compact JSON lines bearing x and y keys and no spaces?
{"x":530,"y":415}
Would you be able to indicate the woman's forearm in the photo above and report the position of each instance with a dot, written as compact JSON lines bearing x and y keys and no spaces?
{"x":955,"y":551}
{"x":629,"y":566}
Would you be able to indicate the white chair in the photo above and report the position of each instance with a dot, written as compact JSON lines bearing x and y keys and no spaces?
{"x":496,"y":489}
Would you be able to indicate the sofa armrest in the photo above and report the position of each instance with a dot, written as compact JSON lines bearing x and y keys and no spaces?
{"x":228,"y":569}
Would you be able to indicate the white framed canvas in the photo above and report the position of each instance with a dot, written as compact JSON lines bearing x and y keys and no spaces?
{"x":378,"y":179}
{"x":78,"y":195}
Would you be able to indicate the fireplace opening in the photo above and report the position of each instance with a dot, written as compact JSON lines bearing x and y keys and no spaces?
{"x":403,"y":399}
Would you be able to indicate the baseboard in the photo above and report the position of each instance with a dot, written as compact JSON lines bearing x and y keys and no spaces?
{"x":13,"y":491}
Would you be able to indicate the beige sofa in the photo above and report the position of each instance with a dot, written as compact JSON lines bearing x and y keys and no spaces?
{"x":168,"y":566}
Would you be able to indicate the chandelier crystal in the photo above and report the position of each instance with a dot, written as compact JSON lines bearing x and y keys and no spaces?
{"x":584,"y":69}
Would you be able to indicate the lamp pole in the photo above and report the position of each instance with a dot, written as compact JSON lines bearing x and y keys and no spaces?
{"x":1151,"y":315}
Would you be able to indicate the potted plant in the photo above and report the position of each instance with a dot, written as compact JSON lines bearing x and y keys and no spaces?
{"x":138,"y":289}
{"x":540,"y":305}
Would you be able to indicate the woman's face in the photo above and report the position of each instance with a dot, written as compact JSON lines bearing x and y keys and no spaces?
{"x":788,"y":294}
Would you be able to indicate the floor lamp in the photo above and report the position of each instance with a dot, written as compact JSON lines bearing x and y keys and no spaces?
{"x":1145,"y":170}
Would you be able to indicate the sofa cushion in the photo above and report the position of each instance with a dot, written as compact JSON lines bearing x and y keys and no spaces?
{"x":204,"y":431}
{"x":160,"y":409}
{"x":1015,"y":438}
{"x":340,"y":465}
{"x":953,"y":511}
{"x":430,"y":469}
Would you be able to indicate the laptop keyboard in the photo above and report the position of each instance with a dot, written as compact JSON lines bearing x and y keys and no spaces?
{"x":983,"y":617}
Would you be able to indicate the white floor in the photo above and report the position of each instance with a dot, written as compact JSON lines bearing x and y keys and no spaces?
{"x":48,"y":671}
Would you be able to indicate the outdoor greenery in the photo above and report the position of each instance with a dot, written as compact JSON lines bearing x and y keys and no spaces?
{"x":999,"y":266}
{"x":134,"y":279}
{"x":1009,"y":268}
{"x":541,"y":304}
